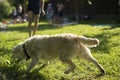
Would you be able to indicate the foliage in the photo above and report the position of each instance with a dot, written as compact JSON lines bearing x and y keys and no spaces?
{"x":15,"y":2}
{"x":107,"y":53}
{"x":5,"y":9}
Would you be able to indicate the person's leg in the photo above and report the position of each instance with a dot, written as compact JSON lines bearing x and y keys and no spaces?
{"x":60,"y":16}
{"x":30,"y":16}
{"x":36,"y":19}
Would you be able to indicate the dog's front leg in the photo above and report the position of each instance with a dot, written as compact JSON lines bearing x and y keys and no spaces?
{"x":32,"y":64}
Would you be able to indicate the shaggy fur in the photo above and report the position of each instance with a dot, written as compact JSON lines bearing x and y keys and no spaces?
{"x":62,"y":46}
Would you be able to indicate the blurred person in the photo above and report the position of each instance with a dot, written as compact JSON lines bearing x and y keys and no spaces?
{"x":60,"y":8}
{"x":20,"y":10}
{"x":49,"y":13}
{"x":119,"y":11}
{"x":34,"y":8}
{"x":14,"y":13}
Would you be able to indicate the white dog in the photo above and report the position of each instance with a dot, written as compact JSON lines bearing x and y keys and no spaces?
{"x":62,"y":46}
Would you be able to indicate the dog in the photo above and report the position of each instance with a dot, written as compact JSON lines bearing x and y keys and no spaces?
{"x":63,"y":46}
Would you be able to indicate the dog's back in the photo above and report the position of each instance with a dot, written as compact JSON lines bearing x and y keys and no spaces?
{"x":63,"y":39}
{"x":53,"y":45}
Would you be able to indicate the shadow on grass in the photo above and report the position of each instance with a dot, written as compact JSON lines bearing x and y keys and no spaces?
{"x":18,"y":28}
{"x":105,"y":46}
{"x":11,"y":73}
{"x":25,"y":28}
{"x":47,"y":27}
{"x":89,"y":77}
{"x":101,"y":23}
{"x":4,"y":51}
{"x":93,"y":22}
{"x":104,"y":43}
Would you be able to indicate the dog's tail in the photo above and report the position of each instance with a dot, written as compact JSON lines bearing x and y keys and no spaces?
{"x":90,"y":42}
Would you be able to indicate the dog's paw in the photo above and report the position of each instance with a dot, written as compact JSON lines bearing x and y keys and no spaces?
{"x":103,"y":72}
{"x":66,"y":72}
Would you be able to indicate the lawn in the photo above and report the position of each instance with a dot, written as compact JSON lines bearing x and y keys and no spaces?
{"x":107,"y":53}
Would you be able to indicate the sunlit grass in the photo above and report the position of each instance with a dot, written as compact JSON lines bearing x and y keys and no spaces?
{"x":107,"y":53}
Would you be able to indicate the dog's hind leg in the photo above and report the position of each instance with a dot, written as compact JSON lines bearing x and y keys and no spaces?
{"x":93,"y":60}
{"x":72,"y":65}
{"x":88,"y":56}
{"x":32,"y":64}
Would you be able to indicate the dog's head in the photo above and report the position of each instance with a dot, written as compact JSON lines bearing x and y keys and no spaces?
{"x":18,"y":52}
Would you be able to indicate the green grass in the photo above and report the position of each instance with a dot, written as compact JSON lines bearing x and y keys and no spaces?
{"x":107,"y":53}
